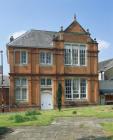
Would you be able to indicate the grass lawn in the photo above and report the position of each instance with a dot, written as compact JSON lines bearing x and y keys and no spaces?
{"x":108,"y":127}
{"x":46,"y":117}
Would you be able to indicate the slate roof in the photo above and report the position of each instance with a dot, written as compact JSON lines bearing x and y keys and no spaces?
{"x":6,"y":81}
{"x":34,"y":38}
{"x":105,"y":65}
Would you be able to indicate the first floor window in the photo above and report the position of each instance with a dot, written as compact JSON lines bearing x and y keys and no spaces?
{"x":46,"y":58}
{"x":21,"y":89}
{"x":75,"y":54}
{"x":21,"y":57}
{"x":75,"y":88}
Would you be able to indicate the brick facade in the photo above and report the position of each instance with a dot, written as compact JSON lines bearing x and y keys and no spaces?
{"x":57,"y":71}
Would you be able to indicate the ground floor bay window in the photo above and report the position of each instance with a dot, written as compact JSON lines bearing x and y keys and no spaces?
{"x":75,"y":88}
{"x":21,"y":89}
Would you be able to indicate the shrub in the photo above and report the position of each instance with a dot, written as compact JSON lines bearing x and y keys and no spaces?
{"x":74,"y":112}
{"x":59,"y":97}
{"x":33,"y":118}
{"x":32,"y":112}
{"x":19,"y":118}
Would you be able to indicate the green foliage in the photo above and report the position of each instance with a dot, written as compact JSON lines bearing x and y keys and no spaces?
{"x":59,"y":97}
{"x":32,"y":112}
{"x":33,"y":118}
{"x":19,"y":118}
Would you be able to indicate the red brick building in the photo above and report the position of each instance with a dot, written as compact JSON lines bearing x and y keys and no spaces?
{"x":39,"y":60}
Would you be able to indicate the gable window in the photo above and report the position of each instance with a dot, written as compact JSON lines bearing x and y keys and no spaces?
{"x":21,"y":57}
{"x":75,"y":88}
{"x":21,"y":89}
{"x":46,"y":58}
{"x":75,"y":54}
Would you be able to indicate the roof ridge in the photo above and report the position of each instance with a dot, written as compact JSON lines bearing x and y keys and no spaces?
{"x":43,"y":30}
{"x":106,"y":60}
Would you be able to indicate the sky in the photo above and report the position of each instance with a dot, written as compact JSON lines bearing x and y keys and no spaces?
{"x":18,"y":16}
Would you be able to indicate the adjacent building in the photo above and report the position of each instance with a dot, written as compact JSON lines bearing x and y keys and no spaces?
{"x":106,"y":81}
{"x":40,"y":60}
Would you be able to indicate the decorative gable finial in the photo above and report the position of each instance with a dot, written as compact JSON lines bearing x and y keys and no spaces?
{"x":74,"y":17}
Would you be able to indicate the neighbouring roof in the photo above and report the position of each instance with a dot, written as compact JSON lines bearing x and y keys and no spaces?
{"x":105,"y":86}
{"x":34,"y":38}
{"x":5,"y":82}
{"x":105,"y":65}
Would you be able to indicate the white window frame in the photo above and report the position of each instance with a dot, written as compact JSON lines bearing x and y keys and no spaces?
{"x":21,"y":87}
{"x":45,"y":61}
{"x":20,"y":61}
{"x":46,"y":85}
{"x":79,"y":90}
{"x":75,"y":46}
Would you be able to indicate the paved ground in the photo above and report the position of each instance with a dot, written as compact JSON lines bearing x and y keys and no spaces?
{"x":62,"y":129}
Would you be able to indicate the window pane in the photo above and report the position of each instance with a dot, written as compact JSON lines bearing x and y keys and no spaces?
{"x":23,"y":81}
{"x":17,"y":93}
{"x":48,"y":58}
{"x":67,"y":56}
{"x":43,"y":82}
{"x":68,"y":89}
{"x":75,"y":95}
{"x":42,"y":58}
{"x":23,"y":57}
{"x":17,"y":82}
{"x":75,"y":56}
{"x":83,"y":88}
{"x":49,"y":82}
{"x":76,"y":86}
{"x":82,"y":57}
{"x":24,"y":93}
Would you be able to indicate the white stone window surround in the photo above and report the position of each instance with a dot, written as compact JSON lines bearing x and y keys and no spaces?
{"x":21,"y":84}
{"x":75,"y":49}
{"x":46,"y":58}
{"x":71,"y":91}
{"x":21,"y":61}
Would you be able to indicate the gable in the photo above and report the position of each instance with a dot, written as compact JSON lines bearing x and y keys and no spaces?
{"x":75,"y":27}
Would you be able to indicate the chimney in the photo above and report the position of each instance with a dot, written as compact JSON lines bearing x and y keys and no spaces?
{"x":11,"y":38}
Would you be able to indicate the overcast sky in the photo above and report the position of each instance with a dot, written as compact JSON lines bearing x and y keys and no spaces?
{"x":18,"y":16}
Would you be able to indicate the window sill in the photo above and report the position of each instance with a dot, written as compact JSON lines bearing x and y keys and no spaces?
{"x":46,"y":65}
{"x":84,"y":99}
{"x":75,"y":65}
{"x":21,"y":65}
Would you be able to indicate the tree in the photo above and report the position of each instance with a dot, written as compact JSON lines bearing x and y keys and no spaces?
{"x":59,"y":97}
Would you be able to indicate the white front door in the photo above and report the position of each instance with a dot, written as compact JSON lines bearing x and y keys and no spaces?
{"x":46,"y":100}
